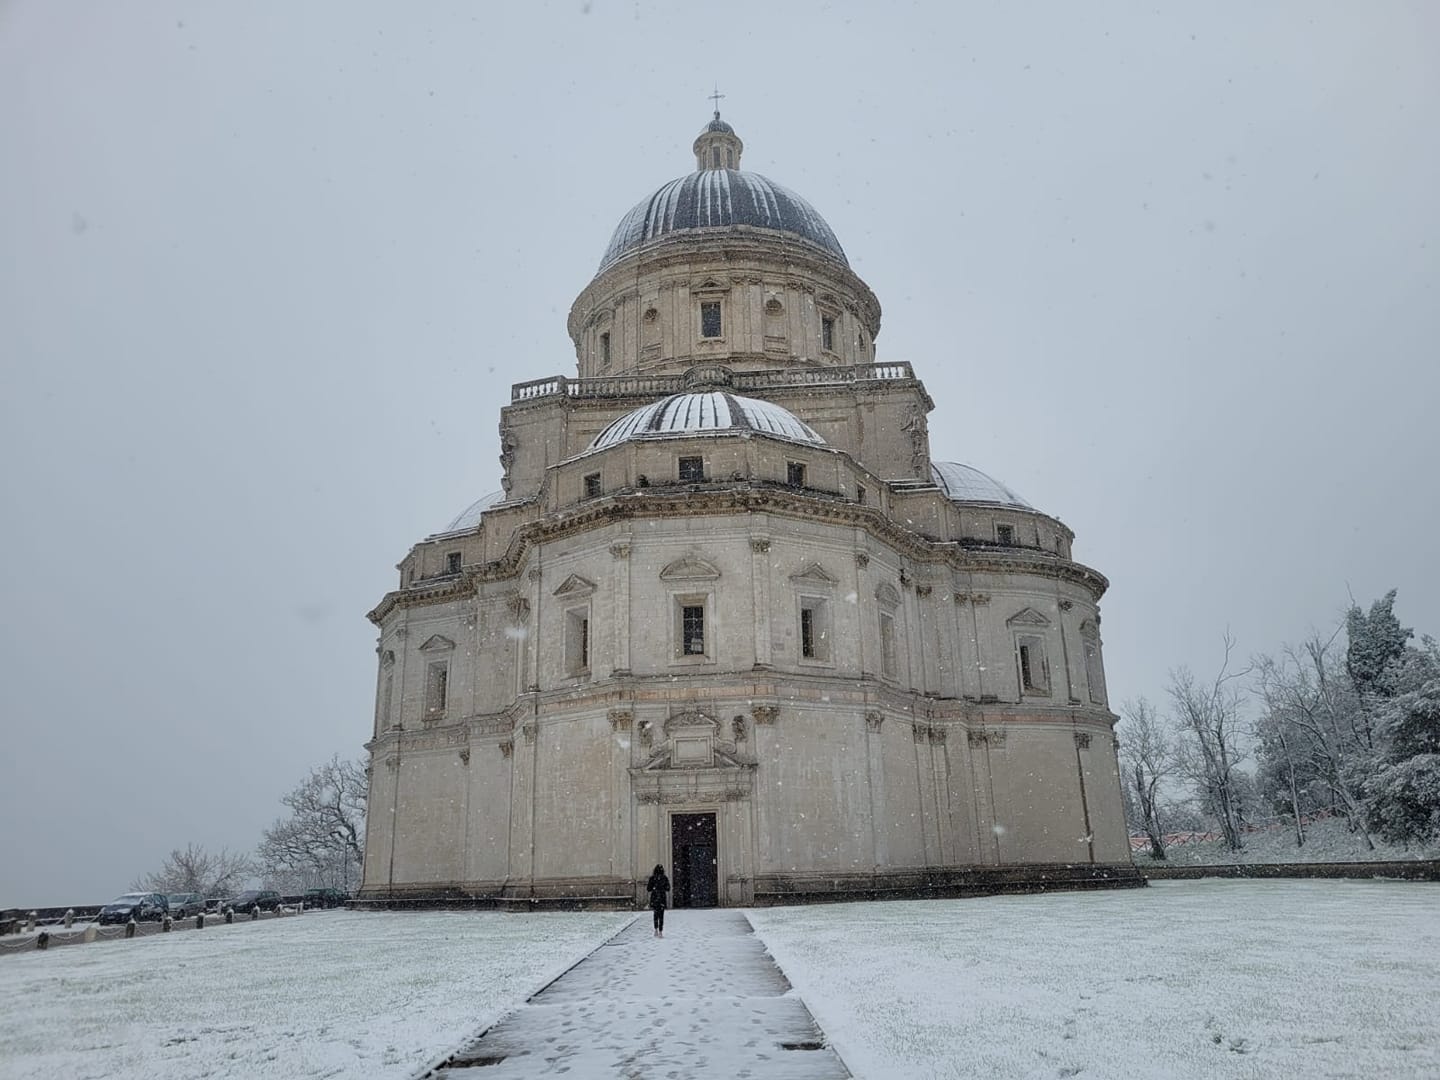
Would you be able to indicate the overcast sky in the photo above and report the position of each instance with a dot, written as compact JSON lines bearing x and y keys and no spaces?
{"x":267,"y":271}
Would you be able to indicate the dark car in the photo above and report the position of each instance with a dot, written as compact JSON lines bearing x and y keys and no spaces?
{"x":326,"y":898}
{"x":139,"y":906}
{"x":185,"y":904}
{"x":264,"y":899}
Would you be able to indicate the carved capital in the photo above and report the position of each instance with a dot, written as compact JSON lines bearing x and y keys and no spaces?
{"x":1082,"y":740}
{"x":766,"y":714}
{"x":937,"y":734}
{"x":533,"y":575}
{"x":921,"y":732}
{"x":862,"y":560}
{"x":1066,"y":605}
{"x":620,"y":549}
{"x":922,"y":590}
{"x":621,"y":719}
{"x":464,"y":755}
{"x":982,"y":737}
{"x":507,"y":747}
{"x":759,"y":547}
{"x":873,"y":720}
{"x":392,"y":762}
{"x":528,"y":729}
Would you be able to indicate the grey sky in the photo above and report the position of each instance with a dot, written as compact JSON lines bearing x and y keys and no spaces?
{"x":269,"y":270}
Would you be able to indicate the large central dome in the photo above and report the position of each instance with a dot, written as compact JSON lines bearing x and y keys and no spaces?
{"x":721,"y":199}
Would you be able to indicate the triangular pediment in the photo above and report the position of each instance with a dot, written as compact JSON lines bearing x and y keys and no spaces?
{"x":575,"y":585}
{"x":814,"y":574}
{"x":689,"y":568}
{"x":437,"y":643}
{"x":691,"y":719}
{"x":1027,"y":617}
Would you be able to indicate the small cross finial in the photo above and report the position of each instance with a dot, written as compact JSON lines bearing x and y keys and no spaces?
{"x":715,"y":97}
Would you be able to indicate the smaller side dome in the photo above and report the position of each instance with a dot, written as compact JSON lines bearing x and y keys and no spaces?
{"x":470,"y":516}
{"x":964,"y":483}
{"x":707,"y":413}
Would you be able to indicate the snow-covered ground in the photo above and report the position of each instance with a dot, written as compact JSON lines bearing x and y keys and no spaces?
{"x":1325,"y":841}
{"x":329,"y":994}
{"x":1225,"y":979}
{"x":1242,"y":979}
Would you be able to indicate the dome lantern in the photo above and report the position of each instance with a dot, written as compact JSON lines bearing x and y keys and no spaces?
{"x":717,"y":147}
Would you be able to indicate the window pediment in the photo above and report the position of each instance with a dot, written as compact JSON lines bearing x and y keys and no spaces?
{"x":689,"y":568}
{"x":575,"y":586}
{"x":886,"y":594}
{"x":814,"y":574}
{"x":1027,"y":617}
{"x":437,"y":643}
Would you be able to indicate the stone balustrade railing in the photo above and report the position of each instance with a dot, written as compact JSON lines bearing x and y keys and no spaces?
{"x":654,"y":386}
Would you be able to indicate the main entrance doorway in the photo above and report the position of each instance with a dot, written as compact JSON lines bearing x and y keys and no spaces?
{"x":693,"y":860}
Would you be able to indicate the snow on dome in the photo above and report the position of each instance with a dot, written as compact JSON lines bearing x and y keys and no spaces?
{"x":718,"y":199}
{"x":963,"y":483}
{"x":706,"y":413}
{"x":470,"y":516}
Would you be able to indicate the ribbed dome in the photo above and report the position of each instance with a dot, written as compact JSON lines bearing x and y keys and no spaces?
{"x":963,"y":483}
{"x":706,"y":413}
{"x":721,"y":199}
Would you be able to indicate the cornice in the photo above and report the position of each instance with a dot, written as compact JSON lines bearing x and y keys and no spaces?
{"x":650,"y":504}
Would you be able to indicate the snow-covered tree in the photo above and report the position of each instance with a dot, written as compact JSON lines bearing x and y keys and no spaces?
{"x":1404,"y":791}
{"x":1146,"y":759}
{"x":193,"y":869}
{"x":322,"y":841}
{"x":1209,"y":750}
{"x":1377,"y":642}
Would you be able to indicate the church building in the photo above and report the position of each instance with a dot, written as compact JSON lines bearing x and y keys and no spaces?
{"x":728,"y":616}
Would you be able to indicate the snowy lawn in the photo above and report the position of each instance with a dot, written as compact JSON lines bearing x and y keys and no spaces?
{"x":1325,"y":841}
{"x":1276,"y":979}
{"x":332,"y":994}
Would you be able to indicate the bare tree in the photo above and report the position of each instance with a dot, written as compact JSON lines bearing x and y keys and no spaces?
{"x":1208,"y":715}
{"x":1313,"y":704}
{"x":196,"y":870}
{"x":322,"y":842}
{"x":1147,"y":757}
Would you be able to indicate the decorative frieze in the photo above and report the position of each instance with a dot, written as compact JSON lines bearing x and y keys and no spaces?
{"x":682,"y":797}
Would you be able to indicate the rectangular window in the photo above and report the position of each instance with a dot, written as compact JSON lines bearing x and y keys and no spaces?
{"x":577,"y":641}
{"x":1094,"y":672}
{"x":692,"y":469}
{"x":386,"y":696}
{"x":1034,"y":669}
{"x":814,"y":628}
{"x":605,"y":349}
{"x":794,"y":474}
{"x":860,"y":494}
{"x":710,"y":326}
{"x":827,"y":334}
{"x":1004,"y":534}
{"x":452,"y":563}
{"x":887,"y":645}
{"x":437,"y":688}
{"x":592,"y":485}
{"x":692,"y":629}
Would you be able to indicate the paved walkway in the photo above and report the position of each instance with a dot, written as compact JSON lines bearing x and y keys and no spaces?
{"x":704,"y":1001}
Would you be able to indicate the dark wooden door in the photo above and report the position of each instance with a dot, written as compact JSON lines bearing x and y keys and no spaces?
{"x":693,"y":860}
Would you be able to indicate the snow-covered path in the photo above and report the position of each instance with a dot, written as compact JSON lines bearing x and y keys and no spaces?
{"x":706,"y":1000}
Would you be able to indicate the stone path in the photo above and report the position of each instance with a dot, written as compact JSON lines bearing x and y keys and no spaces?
{"x":704,"y":1001}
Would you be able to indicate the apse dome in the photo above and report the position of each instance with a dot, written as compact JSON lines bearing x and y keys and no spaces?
{"x":706,"y":413}
{"x":964,"y":483}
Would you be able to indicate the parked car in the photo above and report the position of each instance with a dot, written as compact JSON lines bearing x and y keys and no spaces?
{"x":264,"y":899}
{"x":325,"y":898}
{"x":185,"y":904}
{"x":136,"y":905}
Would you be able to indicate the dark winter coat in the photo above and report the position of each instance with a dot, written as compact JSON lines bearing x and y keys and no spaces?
{"x":659,"y":888}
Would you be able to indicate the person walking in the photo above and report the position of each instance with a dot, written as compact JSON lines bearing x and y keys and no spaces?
{"x":659,"y":889}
